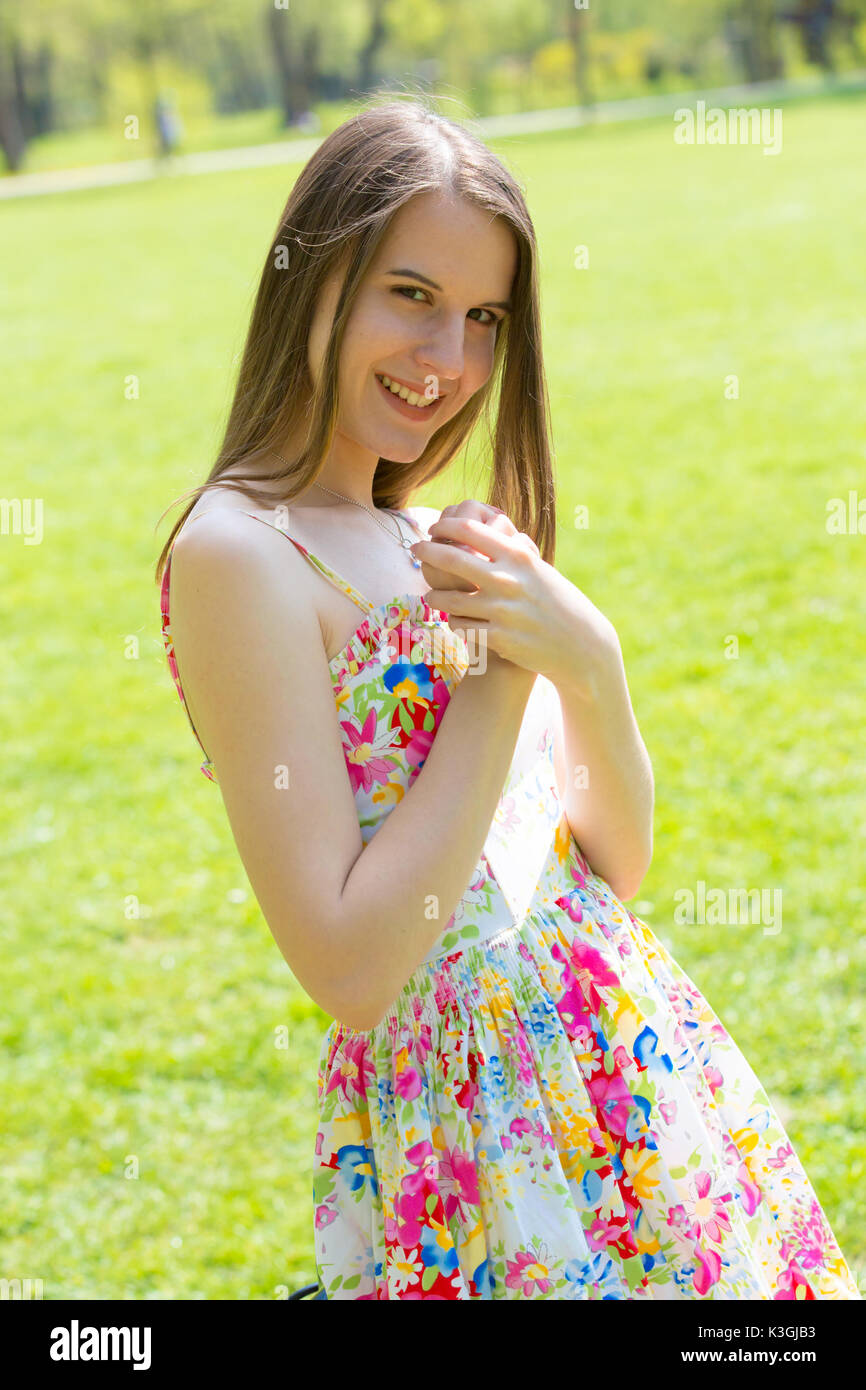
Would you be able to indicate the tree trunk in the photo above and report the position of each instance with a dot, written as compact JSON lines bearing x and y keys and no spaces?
{"x":578,"y":33}
{"x":376,"y":38}
{"x":310,"y":70}
{"x":42,"y":101}
{"x":12,"y":137}
{"x":280,"y":36}
{"x":756,"y":38}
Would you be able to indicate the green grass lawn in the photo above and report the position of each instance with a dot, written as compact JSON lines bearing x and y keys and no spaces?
{"x":157,"y":1140}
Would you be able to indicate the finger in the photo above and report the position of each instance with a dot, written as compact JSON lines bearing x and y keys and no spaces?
{"x":454,"y":560}
{"x":474,"y":510}
{"x":488,"y":540}
{"x":458,"y":604}
{"x":502,"y":522}
{"x":471,"y":508}
{"x":441,"y":579}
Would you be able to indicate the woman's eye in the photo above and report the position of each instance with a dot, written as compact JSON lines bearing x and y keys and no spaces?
{"x":408,"y":289}
{"x":491,"y":321}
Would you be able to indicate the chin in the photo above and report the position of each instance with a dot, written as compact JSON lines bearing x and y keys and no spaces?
{"x":397,"y":450}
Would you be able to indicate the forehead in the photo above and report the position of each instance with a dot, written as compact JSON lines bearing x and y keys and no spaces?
{"x":451,"y":241}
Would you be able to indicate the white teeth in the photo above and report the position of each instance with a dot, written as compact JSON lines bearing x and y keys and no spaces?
{"x":405,"y":394}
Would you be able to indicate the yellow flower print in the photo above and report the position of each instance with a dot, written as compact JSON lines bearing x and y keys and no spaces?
{"x":627,"y":1019}
{"x":641,"y":1168}
{"x":501,"y":1185}
{"x":562,"y":840}
{"x":391,"y":794}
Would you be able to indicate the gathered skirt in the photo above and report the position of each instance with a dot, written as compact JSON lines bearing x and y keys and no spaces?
{"x":557,"y":1113}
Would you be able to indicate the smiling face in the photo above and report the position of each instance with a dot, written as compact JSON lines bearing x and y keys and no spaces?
{"x":426,"y":317}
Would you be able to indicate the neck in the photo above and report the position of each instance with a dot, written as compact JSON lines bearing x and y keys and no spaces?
{"x":348,"y":491}
{"x":347,"y":469}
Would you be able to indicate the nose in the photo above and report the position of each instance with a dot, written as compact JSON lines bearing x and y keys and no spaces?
{"x":443,"y":352}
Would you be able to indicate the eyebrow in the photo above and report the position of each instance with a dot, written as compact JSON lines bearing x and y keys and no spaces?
{"x":416,"y":275}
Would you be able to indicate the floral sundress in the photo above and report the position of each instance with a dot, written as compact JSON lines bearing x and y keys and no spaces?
{"x":550,"y":1108}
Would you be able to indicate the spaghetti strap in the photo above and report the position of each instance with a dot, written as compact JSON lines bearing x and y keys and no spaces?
{"x":207,"y":766}
{"x":343,"y":584}
{"x":351,"y":592}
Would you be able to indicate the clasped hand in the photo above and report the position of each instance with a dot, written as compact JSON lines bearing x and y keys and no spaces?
{"x":482,"y":570}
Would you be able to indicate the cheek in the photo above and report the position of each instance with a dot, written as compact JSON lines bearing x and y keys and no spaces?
{"x":479,"y":357}
{"x":375,"y":326}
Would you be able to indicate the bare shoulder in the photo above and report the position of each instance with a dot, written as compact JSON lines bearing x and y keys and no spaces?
{"x":223,"y":533}
{"x":225,"y":561}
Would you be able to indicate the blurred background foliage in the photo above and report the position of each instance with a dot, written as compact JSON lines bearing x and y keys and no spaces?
{"x":72,"y":74}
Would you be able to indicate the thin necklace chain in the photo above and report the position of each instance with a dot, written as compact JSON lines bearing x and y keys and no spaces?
{"x":400,"y":539}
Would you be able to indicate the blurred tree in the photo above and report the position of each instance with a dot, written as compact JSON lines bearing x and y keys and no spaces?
{"x":34,"y":75}
{"x":12,"y":139}
{"x":77,"y":63}
{"x":371,"y":49}
{"x":822,"y":21}
{"x":752,"y":30}
{"x":578,"y":24}
{"x":294,"y":79}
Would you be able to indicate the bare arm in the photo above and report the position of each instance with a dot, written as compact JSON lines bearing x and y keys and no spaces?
{"x":352,"y":922}
{"x":421,"y":859}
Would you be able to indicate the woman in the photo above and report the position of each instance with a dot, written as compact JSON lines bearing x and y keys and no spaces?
{"x":521,"y":1095}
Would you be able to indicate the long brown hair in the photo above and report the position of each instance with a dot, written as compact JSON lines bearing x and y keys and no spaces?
{"x":338,"y":210}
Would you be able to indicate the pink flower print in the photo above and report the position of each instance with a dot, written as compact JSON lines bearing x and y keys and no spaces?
{"x":530,"y":1271}
{"x":411,"y":1213}
{"x":715,"y":1078}
{"x":506,"y":815}
{"x":421,"y":1154}
{"x":709,"y":1214}
{"x":581,"y":873}
{"x":811,"y":1235}
{"x":325,"y":1215}
{"x":678,"y":1221}
{"x":525,"y":1065}
{"x":602,"y":1233}
{"x":362,"y":762}
{"x":751,"y":1193}
{"x":408,"y":1220}
{"x":571,"y":1007}
{"x":418,"y":746}
{"x":780,"y":1159}
{"x":789,"y":1281}
{"x":458,"y":1183}
{"x":407,"y":1082}
{"x":578,"y":874}
{"x":708,"y":1271}
{"x":352,"y":1069}
{"x":612,"y":1097}
{"x":590,"y":970}
{"x":668,"y":1111}
{"x":571,"y":904}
